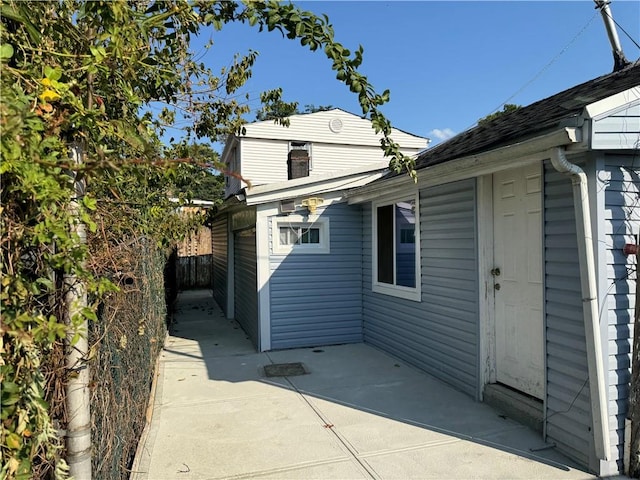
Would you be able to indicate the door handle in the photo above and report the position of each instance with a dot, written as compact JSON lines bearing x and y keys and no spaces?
{"x":495,"y":272}
{"x":497,"y":286}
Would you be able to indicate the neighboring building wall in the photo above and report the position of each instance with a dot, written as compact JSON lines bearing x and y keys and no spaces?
{"x":439,"y":334}
{"x":219,"y":244}
{"x":233,"y":184}
{"x":620,"y":182}
{"x":567,"y":397}
{"x":316,"y":299}
{"x":245,"y":283}
{"x":338,"y":141}
{"x":265,"y":161}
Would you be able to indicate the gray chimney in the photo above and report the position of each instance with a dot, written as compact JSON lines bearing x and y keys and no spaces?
{"x":619,"y":60}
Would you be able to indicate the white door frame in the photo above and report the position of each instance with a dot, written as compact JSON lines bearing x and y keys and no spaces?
{"x":487,"y":339}
{"x":486,"y":262}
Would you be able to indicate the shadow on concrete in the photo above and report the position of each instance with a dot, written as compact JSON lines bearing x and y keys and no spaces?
{"x":393,"y":420}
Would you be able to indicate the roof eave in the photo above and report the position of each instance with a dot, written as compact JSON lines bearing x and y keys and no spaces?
{"x":510,"y":156}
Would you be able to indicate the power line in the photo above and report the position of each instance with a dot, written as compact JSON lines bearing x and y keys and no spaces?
{"x":546,"y":67}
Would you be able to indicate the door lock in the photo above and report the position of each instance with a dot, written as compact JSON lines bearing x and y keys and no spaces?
{"x":495,"y":272}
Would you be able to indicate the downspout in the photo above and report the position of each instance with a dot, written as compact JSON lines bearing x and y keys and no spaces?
{"x":597,"y":387}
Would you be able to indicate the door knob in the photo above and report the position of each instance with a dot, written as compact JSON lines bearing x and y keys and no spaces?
{"x":495,"y":272}
{"x":497,"y":286}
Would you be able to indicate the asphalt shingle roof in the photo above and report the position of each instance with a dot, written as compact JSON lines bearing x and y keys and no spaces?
{"x":560,"y":110}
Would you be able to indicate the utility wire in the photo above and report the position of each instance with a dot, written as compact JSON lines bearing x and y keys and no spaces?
{"x":545,"y":68}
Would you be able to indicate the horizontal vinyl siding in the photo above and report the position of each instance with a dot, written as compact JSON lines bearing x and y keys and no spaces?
{"x":263,"y":161}
{"x":618,"y":130}
{"x":567,"y":402}
{"x":219,"y":246}
{"x":621,"y":181}
{"x":315,"y":128}
{"x":328,"y":158}
{"x":316,"y":299}
{"x":440,"y":333}
{"x":245,"y":283}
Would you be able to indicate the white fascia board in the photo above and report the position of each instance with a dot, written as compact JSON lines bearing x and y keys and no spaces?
{"x":321,"y":183}
{"x":510,"y":156}
{"x":610,"y":105}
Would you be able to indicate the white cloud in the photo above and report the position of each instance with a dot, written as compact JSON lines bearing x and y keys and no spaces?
{"x":442,"y":134}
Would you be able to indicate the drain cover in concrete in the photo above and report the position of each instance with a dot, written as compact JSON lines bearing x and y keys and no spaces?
{"x":284,"y":369}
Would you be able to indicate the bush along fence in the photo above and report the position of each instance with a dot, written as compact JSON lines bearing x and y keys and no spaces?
{"x":126,"y":341}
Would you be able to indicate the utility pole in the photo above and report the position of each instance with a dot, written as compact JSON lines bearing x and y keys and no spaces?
{"x":78,"y":438}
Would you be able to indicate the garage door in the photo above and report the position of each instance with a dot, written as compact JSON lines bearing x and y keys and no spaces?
{"x":245,"y":284}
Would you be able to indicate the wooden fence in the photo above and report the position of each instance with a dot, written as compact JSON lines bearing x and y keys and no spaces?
{"x":195,"y":261}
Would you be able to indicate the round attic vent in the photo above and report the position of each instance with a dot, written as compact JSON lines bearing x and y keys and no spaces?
{"x":335,"y":125}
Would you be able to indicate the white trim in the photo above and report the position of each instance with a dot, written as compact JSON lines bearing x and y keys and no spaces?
{"x":315,"y":221}
{"x":503,"y":158}
{"x":609,"y":105}
{"x":355,"y":177}
{"x":408,"y":293}
{"x":486,"y":304}
{"x":263,"y":275}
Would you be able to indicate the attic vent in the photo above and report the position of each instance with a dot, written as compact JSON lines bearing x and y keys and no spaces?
{"x":335,"y":125}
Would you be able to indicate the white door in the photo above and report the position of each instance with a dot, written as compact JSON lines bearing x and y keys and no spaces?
{"x":517,"y":210}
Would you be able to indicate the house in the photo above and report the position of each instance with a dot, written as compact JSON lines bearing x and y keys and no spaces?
{"x":520,"y":282}
{"x":313,"y":144}
{"x":501,"y":271}
{"x":287,"y":239}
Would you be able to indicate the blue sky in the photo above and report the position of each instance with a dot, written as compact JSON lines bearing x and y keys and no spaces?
{"x":447,"y":64}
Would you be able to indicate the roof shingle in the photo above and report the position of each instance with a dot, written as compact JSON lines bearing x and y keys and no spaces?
{"x":560,"y":110}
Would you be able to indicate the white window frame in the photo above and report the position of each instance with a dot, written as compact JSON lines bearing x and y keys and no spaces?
{"x":408,"y":293}
{"x":310,"y":221}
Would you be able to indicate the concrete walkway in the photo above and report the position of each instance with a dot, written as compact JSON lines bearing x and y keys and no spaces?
{"x":358,"y":413}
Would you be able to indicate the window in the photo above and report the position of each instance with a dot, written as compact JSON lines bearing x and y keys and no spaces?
{"x":298,"y":234}
{"x":396,"y":253}
{"x":299,"y":160}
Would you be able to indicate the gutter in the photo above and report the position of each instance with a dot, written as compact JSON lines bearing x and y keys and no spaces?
{"x":510,"y":156}
{"x":597,"y":387}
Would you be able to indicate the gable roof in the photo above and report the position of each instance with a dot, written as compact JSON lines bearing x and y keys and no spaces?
{"x":335,"y":126}
{"x":563,"y":109}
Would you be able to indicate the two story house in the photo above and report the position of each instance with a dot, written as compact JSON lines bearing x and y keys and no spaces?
{"x":286,"y":245}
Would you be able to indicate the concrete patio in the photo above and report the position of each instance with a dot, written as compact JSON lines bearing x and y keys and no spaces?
{"x":357,"y":413}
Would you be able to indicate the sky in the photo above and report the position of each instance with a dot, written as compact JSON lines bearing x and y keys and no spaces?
{"x":447,"y":63}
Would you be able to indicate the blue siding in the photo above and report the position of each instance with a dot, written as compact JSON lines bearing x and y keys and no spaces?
{"x":567,"y":396}
{"x":621,"y":181}
{"x":245,"y":283}
{"x":440,"y":333}
{"x":316,"y":299}
{"x":618,"y":130}
{"x":219,"y":244}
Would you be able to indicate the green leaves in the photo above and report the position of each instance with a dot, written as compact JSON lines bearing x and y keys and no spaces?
{"x":6,"y":52}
